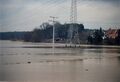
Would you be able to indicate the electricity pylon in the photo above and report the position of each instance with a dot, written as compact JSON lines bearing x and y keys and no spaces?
{"x":73,"y":35}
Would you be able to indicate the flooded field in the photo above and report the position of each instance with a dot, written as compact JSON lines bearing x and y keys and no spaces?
{"x":18,"y":64}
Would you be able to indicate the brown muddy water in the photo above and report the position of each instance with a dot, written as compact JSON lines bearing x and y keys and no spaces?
{"x":65,"y":65}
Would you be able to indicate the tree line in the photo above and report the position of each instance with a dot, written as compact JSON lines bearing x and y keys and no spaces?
{"x":44,"y":34}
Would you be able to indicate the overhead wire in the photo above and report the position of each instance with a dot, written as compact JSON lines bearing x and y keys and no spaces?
{"x":35,"y":13}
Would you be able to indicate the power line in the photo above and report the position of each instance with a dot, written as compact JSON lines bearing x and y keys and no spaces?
{"x":34,"y":14}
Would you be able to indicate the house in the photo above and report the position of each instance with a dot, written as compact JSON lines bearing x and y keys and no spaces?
{"x":112,"y":33}
{"x":113,"y":36}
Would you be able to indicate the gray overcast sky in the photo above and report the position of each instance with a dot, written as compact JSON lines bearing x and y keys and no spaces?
{"x":23,"y":15}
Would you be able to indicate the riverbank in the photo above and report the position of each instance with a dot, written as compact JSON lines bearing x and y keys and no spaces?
{"x":57,"y":45}
{"x":73,"y":46}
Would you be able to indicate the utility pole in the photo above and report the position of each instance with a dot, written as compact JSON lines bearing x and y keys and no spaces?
{"x":53,"y":40}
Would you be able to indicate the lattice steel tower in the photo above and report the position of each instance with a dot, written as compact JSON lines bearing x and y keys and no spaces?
{"x":73,"y":17}
{"x":73,"y":36}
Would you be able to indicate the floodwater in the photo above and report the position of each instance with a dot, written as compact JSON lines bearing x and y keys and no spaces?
{"x":19,"y":64}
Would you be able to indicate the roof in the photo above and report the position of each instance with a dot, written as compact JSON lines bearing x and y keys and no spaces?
{"x":112,"y":33}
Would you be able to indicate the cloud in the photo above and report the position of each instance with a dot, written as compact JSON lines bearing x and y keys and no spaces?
{"x":27,"y":14}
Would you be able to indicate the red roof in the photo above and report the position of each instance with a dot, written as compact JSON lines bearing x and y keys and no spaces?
{"x":112,"y":33}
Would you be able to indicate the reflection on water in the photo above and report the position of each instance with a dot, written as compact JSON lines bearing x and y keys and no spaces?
{"x":66,"y":65}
